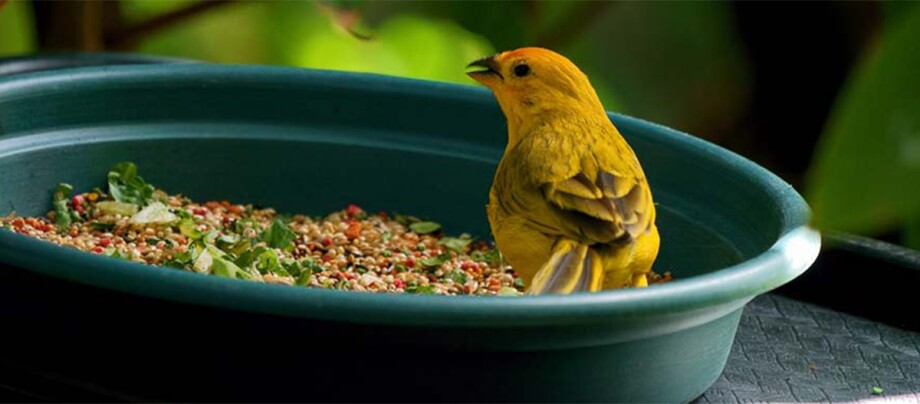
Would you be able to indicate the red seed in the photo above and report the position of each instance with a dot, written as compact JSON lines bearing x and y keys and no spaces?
{"x":352,"y":210}
{"x":417,"y":253}
{"x":18,"y":223}
{"x":74,"y":232}
{"x":98,"y":250}
{"x":465,"y":266}
{"x":200,"y":211}
{"x":410,"y":263}
{"x":78,"y":203}
{"x":235,"y":209}
{"x":326,"y":258}
{"x":399,"y":284}
{"x":327,"y":241}
{"x":105,"y":242}
{"x":181,"y":240}
{"x":383,"y":215}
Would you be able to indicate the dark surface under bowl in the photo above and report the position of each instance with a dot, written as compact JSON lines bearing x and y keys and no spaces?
{"x":308,"y":141}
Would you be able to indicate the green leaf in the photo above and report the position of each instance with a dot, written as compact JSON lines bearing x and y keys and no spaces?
{"x":304,"y":279}
{"x":867,"y":165}
{"x":249,"y":257}
{"x":189,"y":229}
{"x":519,"y":283}
{"x":278,"y":235}
{"x":312,"y":265}
{"x":240,"y":247}
{"x":233,"y":244}
{"x":435,"y":261}
{"x":59,"y":201}
{"x":385,"y":237}
{"x":292,"y":267}
{"x":227,"y":269}
{"x":114,"y":253}
{"x":458,"y":276}
{"x":424,"y":227}
{"x":421,"y":290}
{"x":180,"y":260}
{"x":126,"y":186}
{"x":216,"y":262}
{"x":268,"y":262}
{"x":455,"y":244}
{"x":492,"y":257}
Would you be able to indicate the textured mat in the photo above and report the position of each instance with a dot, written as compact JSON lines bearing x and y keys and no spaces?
{"x":785,"y":351}
{"x":788,"y":351}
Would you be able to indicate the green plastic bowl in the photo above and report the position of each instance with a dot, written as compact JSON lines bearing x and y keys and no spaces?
{"x":313,"y":141}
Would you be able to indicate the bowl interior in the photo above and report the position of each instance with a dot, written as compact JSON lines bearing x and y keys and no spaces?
{"x":317,"y":170}
{"x":327,"y":142}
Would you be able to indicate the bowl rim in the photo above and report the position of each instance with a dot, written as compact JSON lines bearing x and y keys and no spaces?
{"x":794,"y":251}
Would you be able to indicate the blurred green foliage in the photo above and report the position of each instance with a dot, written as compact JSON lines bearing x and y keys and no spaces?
{"x":17,"y":35}
{"x":866,"y":174}
{"x":407,"y":45}
{"x":308,"y":34}
{"x":657,"y":74}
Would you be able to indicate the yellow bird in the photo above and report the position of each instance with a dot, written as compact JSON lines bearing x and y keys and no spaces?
{"x":570,"y":207}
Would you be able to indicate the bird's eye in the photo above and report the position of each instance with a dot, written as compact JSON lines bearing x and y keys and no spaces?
{"x":521,"y":70}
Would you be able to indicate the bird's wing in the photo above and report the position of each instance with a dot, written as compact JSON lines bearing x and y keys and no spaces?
{"x":602,"y":195}
{"x":621,"y":204}
{"x":588,"y":187}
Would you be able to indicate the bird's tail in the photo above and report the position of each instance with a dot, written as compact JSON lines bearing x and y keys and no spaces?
{"x":573,"y":267}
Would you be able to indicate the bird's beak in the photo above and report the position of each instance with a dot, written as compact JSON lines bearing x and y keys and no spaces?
{"x":490,"y":75}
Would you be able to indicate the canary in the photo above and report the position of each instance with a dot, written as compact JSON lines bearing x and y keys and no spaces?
{"x":570,"y":207}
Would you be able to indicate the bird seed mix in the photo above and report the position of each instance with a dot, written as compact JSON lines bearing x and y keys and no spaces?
{"x":350,"y":249}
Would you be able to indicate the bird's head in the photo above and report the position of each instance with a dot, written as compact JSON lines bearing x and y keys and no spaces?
{"x":534,"y":82}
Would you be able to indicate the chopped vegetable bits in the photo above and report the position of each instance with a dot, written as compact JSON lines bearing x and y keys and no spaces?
{"x":349,"y":249}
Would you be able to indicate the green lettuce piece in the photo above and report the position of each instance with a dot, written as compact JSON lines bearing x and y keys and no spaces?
{"x":128,"y":187}
{"x":455,"y":244}
{"x":59,"y":201}
{"x":278,"y":235}
{"x":424,"y":227}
